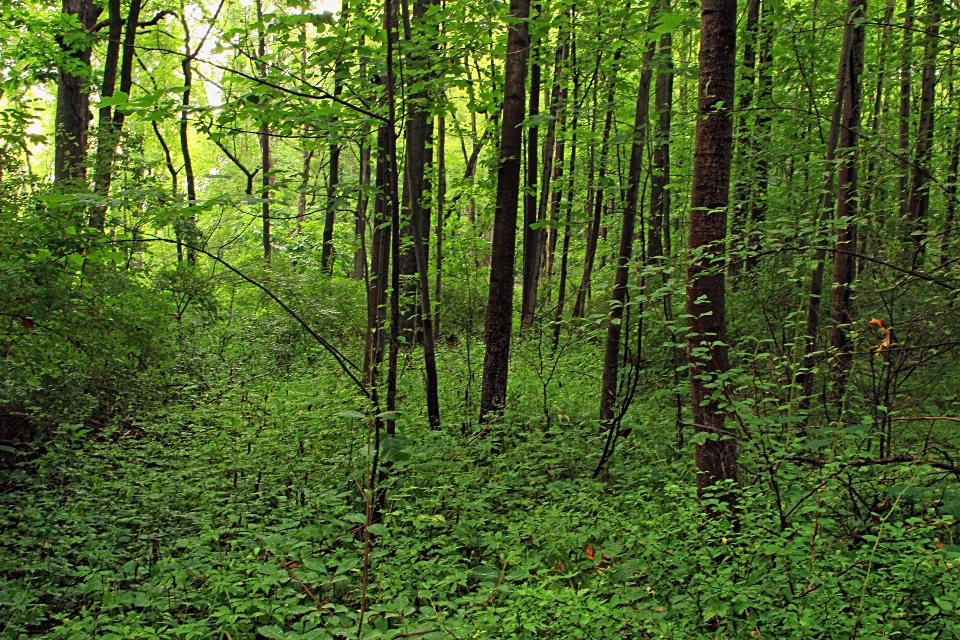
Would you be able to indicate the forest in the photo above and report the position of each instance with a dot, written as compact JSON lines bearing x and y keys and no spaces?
{"x":380,"y":319}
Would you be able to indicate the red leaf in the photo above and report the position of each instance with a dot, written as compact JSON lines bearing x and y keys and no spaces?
{"x":591,"y":553}
{"x":26,"y":323}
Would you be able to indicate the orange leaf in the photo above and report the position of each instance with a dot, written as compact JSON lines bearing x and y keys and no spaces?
{"x":883,"y":327}
{"x":591,"y":553}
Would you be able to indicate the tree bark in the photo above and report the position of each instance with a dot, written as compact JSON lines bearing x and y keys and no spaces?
{"x":266,"y":163}
{"x":843,"y":260}
{"x":618,"y":298}
{"x":919,"y":199}
{"x":498,"y":323}
{"x":531,"y":236}
{"x":903,"y":140}
{"x":73,"y":100}
{"x":716,"y":457}
{"x":807,"y":376}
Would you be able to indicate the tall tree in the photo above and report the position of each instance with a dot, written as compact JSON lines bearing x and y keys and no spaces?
{"x":498,"y":323}
{"x":843,"y":261}
{"x":73,"y":94}
{"x":716,"y":456}
{"x":618,"y":298}
{"x":919,"y":199}
{"x":266,"y":162}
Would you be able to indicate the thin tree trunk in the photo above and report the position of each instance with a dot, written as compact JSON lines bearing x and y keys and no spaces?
{"x":843,"y":260}
{"x":618,"y":298}
{"x":106,"y":140}
{"x":498,"y":323}
{"x":360,"y":226}
{"x":807,"y":376}
{"x":333,"y":182}
{"x":571,"y":189}
{"x":660,"y":178}
{"x":441,"y":214}
{"x":716,"y":457}
{"x":531,"y":236}
{"x":761,"y":140}
{"x":266,"y":165}
{"x":903,"y":140}
{"x":593,"y":235}
{"x":306,"y":158}
{"x":743,"y":183}
{"x":919,"y":199}
{"x":190,"y":224}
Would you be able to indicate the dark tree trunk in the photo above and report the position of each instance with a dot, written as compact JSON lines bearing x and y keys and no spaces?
{"x":333,"y":182}
{"x":531,"y":236}
{"x":441,"y":214}
{"x":746,"y":147}
{"x":553,"y":154}
{"x":106,"y":140}
{"x":761,"y":141}
{"x":618,"y":298}
{"x":807,"y":376}
{"x":716,"y":458}
{"x":660,"y":178}
{"x":360,"y":226}
{"x":266,"y":164}
{"x":593,"y":233}
{"x":843,"y":260}
{"x":498,"y":323}
{"x":571,"y":186}
{"x":73,"y":102}
{"x":903,"y":142}
{"x":919,"y":199}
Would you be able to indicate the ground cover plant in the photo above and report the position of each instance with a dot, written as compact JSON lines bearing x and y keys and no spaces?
{"x":461,"y":320}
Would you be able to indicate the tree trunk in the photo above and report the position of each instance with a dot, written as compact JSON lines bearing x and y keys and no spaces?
{"x":73,"y":101}
{"x":531,"y":236}
{"x":266,"y":164}
{"x":919,"y":199}
{"x":571,"y":185}
{"x":498,"y":323}
{"x":807,"y":376}
{"x":716,"y":457}
{"x":106,"y":140}
{"x":441,"y":214}
{"x":611,"y":357}
{"x":333,"y":182}
{"x":746,"y":148}
{"x":660,"y":178}
{"x":593,"y":234}
{"x":903,"y":142}
{"x":843,"y":260}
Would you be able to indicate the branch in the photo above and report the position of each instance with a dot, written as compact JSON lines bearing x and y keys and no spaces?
{"x":155,"y":20}
{"x":341,"y":359}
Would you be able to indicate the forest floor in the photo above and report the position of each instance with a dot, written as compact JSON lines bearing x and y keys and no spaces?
{"x":241,"y":514}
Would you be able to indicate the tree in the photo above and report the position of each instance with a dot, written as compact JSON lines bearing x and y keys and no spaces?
{"x":498,"y":322}
{"x":716,"y":455}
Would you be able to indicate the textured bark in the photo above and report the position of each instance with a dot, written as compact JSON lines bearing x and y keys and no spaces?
{"x":611,"y":357}
{"x":660,"y":176}
{"x":73,"y":99}
{"x":106,"y":140}
{"x":716,"y":458}
{"x":807,"y":376}
{"x":531,"y":236}
{"x":919,"y":199}
{"x":498,"y":323}
{"x":419,"y":136}
{"x":843,"y":261}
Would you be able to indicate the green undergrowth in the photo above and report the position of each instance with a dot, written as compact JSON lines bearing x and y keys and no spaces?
{"x":241,"y":514}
